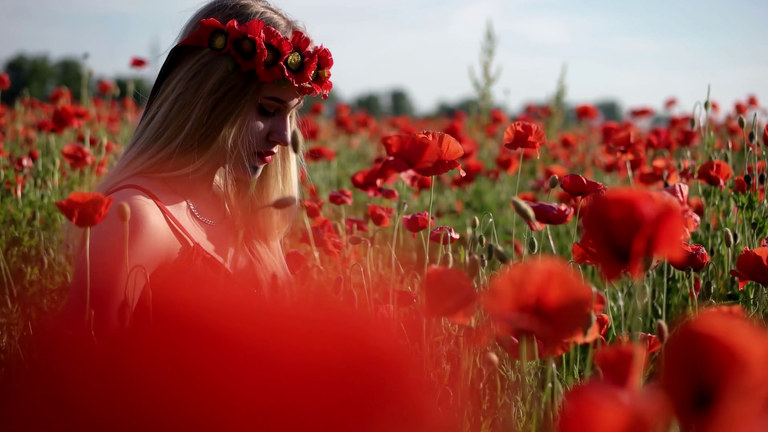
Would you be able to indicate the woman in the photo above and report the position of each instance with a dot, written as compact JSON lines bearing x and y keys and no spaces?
{"x":210,"y":154}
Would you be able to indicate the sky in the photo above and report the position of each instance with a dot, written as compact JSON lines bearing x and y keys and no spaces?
{"x":636,"y":52}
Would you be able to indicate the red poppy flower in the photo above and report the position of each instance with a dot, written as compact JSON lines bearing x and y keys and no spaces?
{"x":76,"y":155}
{"x":695,"y":258}
{"x":24,"y":163}
{"x":313,"y":208}
{"x":295,"y":261}
{"x":60,"y":95}
{"x":550,"y":213}
{"x":367,"y":181}
{"x":752,"y":265}
{"x":652,"y":343}
{"x":416,"y":181}
{"x":416,"y":222}
{"x":390,"y":194}
{"x":427,"y":153}
{"x":65,"y":117}
{"x":277,"y":48}
{"x":105,"y":87}
{"x":341,"y":197}
{"x":356,"y":225}
{"x":715,"y":173}
{"x":300,"y":63}
{"x":5,"y":81}
{"x":579,"y":186}
{"x":138,"y":62}
{"x":85,"y":209}
{"x":320,"y":79}
{"x":380,"y":214}
{"x":622,"y":364}
{"x":450,"y":293}
{"x":540,"y":298}
{"x":320,"y":153}
{"x":324,"y":237}
{"x":641,"y":112}
{"x":211,"y":34}
{"x":765,"y":135}
{"x":600,"y":407}
{"x":626,"y":227}
{"x":586,"y":112}
{"x":713,"y":370}
{"x":245,"y":43}
{"x":522,"y":135}
{"x":443,"y":235}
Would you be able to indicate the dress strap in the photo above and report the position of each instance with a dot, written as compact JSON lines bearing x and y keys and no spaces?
{"x":174,"y":223}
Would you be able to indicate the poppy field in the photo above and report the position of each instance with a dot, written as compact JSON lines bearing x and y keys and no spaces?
{"x":550,"y":271}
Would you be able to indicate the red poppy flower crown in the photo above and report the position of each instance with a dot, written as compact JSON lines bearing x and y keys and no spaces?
{"x":261,"y":48}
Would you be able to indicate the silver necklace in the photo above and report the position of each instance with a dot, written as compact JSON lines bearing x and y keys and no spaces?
{"x":194,"y":211}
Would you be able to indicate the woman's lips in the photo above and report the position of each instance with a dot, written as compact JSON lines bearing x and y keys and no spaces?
{"x":265,"y":156}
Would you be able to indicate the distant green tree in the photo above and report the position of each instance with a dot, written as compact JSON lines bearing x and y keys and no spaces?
{"x":469,"y":105}
{"x":611,"y":110}
{"x":31,"y":73}
{"x":330,"y":102}
{"x":141,"y":88}
{"x":68,"y":72}
{"x":400,"y":103}
{"x":370,"y":102}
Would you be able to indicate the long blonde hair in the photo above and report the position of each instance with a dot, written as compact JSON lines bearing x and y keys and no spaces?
{"x":201,"y":109}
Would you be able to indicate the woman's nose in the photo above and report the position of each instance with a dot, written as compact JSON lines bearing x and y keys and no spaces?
{"x":280,"y":132}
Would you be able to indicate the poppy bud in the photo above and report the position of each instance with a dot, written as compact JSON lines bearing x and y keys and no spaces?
{"x":693,"y":123}
{"x":483,"y":262}
{"x":742,"y":122}
{"x":474,"y":223}
{"x":354,"y":240}
{"x":706,"y":105}
{"x":728,"y":237}
{"x":662,"y":331}
{"x":403,"y":206}
{"x":706,"y":289}
{"x":736,"y":238}
{"x":751,"y":137}
{"x":124,"y":212}
{"x":481,"y":240}
{"x":533,"y":245}
{"x":473,"y":265}
{"x":753,"y":225}
{"x":761,"y":179}
{"x":748,"y":180}
{"x":500,"y":254}
{"x":553,"y":181}
{"x":524,"y":210}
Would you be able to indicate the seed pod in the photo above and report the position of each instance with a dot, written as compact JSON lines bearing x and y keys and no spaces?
{"x":474,"y":223}
{"x":489,"y":250}
{"x":742,"y":122}
{"x":483,"y":260}
{"x":748,"y":180}
{"x":753,"y":225}
{"x":706,"y":289}
{"x":706,"y":104}
{"x":481,"y":240}
{"x":124,"y":212}
{"x":523,"y":210}
{"x":736,"y":238}
{"x":501,"y":255}
{"x":728,"y":237}
{"x":533,"y":245}
{"x":354,"y":240}
{"x":751,"y":137}
{"x":662,"y":331}
{"x":553,"y":181}
{"x":693,"y":123}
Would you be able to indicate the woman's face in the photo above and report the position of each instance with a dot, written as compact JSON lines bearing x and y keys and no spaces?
{"x":270,"y":128}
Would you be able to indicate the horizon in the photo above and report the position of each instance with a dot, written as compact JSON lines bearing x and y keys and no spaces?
{"x":636,"y":55}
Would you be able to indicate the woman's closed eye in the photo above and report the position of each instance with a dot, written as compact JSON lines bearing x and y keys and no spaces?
{"x":266,"y":112}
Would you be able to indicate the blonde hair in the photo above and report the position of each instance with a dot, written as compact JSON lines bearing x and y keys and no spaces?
{"x":201,"y":109}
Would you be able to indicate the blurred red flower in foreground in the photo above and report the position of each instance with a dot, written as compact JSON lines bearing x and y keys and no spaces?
{"x":448,"y":292}
{"x":627,"y":227}
{"x":541,"y":298}
{"x":524,"y":135}
{"x":715,"y":173}
{"x":622,"y":365}
{"x":426,"y":153}
{"x":85,"y":209}
{"x":713,"y":370}
{"x":586,"y":112}
{"x":320,"y":153}
{"x":752,"y":265}
{"x":579,"y":186}
{"x":5,"y":82}
{"x":138,"y":62}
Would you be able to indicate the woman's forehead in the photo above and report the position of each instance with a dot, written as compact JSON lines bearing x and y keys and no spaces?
{"x":289,"y":94}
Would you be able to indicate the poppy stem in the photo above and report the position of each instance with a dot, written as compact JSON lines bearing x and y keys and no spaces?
{"x":429,"y":218}
{"x":517,"y":190}
{"x":630,"y":174}
{"x":576,"y":226}
{"x":87,"y":275}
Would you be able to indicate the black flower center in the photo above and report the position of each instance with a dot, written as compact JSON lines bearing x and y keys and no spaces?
{"x":246,"y":48}
{"x":217,"y":41}
{"x":273,"y":54}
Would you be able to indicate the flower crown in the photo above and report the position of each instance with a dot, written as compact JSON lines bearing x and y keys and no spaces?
{"x":261,"y":48}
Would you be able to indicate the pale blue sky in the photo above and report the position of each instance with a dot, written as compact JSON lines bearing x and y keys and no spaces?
{"x":639,"y":52}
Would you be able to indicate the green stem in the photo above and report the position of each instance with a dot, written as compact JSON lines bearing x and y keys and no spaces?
{"x":517,"y":190}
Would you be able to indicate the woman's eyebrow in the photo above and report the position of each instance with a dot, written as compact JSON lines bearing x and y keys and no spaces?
{"x":280,"y":101}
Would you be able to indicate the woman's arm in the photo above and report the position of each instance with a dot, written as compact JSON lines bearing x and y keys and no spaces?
{"x":150,"y":243}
